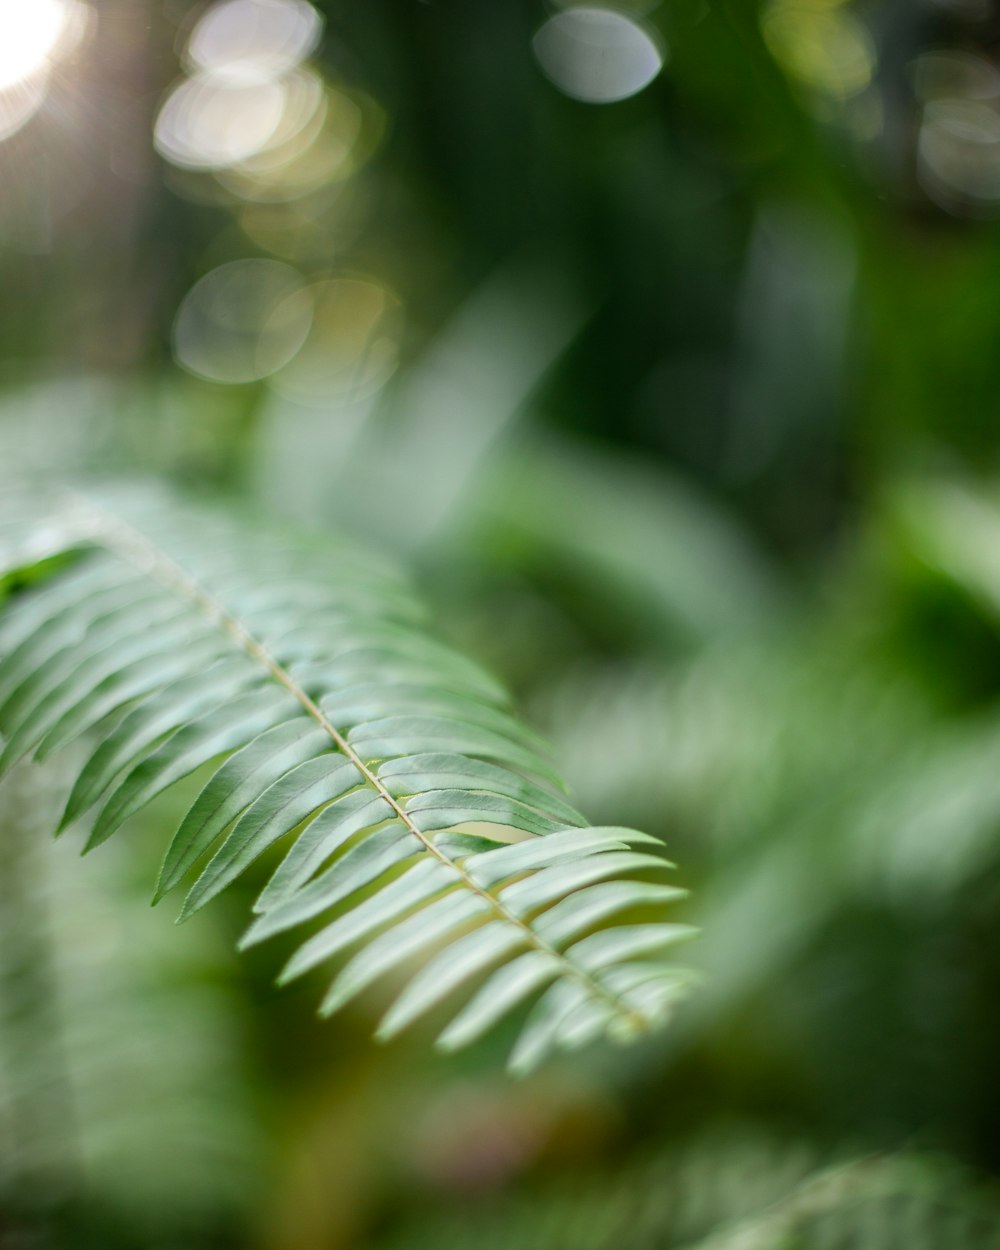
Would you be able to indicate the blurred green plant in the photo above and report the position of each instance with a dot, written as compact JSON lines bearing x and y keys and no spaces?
{"x":103,"y":1010}
{"x":735,"y":1189}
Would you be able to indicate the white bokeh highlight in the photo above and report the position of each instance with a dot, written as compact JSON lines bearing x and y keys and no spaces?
{"x":596,"y":55}
{"x":242,"y":321}
{"x":251,"y":40}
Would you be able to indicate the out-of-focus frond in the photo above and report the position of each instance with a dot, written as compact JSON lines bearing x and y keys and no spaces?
{"x":735,"y":1191}
{"x":122,"y":1072}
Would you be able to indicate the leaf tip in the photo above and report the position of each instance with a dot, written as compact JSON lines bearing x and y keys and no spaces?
{"x":69,"y":814}
{"x":187,"y":910}
{"x":253,"y":937}
{"x":164,"y":884}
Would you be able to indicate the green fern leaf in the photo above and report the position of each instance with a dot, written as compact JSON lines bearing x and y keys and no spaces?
{"x":176,"y":638}
{"x":250,"y":772}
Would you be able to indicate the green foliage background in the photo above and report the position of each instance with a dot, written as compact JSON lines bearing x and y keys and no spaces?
{"x":693,"y":440}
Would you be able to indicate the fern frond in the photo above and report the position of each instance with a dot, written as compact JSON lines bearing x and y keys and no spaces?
{"x":179,"y":637}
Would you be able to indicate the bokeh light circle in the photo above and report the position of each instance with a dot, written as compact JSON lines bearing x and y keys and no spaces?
{"x":34,"y":34}
{"x":826,"y":47}
{"x":30,"y":31}
{"x":597,"y":55}
{"x":353,"y":343}
{"x":254,"y":40}
{"x":950,"y":74}
{"x":322,"y":151}
{"x":242,"y":321}
{"x":959,"y":153}
{"x":208,"y":124}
